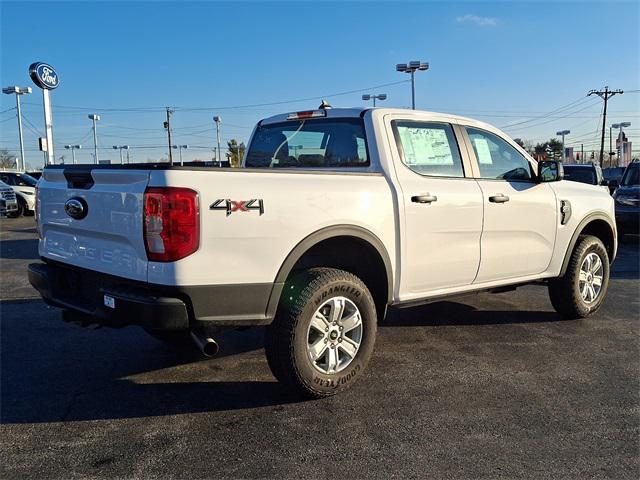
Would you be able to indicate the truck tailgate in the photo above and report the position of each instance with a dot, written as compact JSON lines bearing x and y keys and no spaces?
{"x":109,"y":239}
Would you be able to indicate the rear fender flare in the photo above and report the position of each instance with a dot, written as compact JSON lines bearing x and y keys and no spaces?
{"x":313,"y":239}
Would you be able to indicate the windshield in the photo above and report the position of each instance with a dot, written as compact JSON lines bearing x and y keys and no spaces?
{"x":314,"y":143}
{"x":631,"y":176}
{"x":582,"y":175}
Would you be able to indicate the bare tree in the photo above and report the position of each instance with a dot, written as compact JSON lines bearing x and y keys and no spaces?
{"x":7,"y":159}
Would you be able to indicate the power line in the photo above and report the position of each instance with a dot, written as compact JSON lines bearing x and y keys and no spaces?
{"x":564,"y":107}
{"x":227,"y":107}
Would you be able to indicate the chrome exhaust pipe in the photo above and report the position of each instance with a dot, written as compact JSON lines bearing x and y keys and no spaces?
{"x":207,"y":345}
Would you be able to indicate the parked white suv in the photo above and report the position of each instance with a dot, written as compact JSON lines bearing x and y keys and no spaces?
{"x":336,"y":215}
{"x":23,"y":185}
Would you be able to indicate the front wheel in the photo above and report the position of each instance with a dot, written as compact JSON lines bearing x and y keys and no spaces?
{"x":582,"y":289}
{"x":323,"y":335}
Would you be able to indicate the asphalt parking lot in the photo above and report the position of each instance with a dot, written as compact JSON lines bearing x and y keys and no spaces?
{"x":490,"y":386}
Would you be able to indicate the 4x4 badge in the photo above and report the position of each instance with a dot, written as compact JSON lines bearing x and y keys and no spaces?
{"x":231,"y":206}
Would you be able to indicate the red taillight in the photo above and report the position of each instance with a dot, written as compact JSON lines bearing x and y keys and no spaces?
{"x":171,"y":223}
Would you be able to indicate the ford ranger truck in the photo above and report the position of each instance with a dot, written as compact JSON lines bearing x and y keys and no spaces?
{"x":335,"y":215}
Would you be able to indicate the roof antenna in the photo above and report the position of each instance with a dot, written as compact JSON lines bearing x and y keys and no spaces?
{"x":325,"y":105}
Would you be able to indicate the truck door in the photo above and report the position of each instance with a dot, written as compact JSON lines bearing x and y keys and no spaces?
{"x":441,"y":205}
{"x":519,"y":213}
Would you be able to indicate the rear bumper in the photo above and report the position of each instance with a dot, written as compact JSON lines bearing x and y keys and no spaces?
{"x":117,"y":302}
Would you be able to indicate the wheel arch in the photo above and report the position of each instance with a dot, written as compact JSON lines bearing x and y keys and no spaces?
{"x":598,"y":225}
{"x":330,"y":247}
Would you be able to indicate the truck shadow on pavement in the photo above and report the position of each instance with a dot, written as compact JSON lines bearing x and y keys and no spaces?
{"x":26,"y":249}
{"x":54,"y":372}
{"x":449,"y":313}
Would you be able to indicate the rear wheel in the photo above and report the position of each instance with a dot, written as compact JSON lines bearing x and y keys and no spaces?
{"x":583,"y":287}
{"x":323,"y":335}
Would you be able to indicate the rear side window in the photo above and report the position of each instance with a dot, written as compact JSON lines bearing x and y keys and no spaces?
{"x":497,"y":159}
{"x":428,"y":148}
{"x":313,"y":143}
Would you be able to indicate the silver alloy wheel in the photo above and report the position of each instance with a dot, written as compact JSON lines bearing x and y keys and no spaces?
{"x":590,"y":279}
{"x":334,"y":335}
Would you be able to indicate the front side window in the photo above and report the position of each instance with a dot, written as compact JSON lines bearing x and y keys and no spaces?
{"x":497,"y":159}
{"x":428,"y":148}
{"x":313,"y":143}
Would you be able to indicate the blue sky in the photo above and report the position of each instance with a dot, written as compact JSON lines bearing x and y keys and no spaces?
{"x":504,"y":62}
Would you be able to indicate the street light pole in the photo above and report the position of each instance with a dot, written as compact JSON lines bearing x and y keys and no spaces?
{"x":94,"y":118}
{"x":122,"y":147}
{"x":563,"y":133}
{"x":411,"y":68}
{"x":218,"y":120}
{"x":19,"y":91}
{"x":381,"y":96}
{"x":73,"y":149}
{"x":180,"y":148}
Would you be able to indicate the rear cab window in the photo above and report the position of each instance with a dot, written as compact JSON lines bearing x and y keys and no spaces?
{"x":309,"y":143}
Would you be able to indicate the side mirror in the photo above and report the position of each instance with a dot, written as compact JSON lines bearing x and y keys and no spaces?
{"x":550,"y":171}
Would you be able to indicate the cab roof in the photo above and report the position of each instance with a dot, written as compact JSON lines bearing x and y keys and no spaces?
{"x":355,"y":112}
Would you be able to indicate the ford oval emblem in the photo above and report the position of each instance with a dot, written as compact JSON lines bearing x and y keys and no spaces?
{"x":44,"y":75}
{"x":76,"y":208}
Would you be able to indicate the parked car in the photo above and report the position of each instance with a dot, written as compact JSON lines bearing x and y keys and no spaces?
{"x":585,"y":173}
{"x":36,"y":174}
{"x":8,"y":202}
{"x":627,"y":197}
{"x":337,"y":215}
{"x":23,"y":185}
{"x":613,"y":175}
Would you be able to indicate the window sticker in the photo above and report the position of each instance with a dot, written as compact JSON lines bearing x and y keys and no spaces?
{"x":482,"y":151}
{"x":425,"y":146}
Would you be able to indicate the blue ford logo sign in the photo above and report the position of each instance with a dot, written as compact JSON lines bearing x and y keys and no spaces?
{"x":44,"y":75}
{"x":76,"y":208}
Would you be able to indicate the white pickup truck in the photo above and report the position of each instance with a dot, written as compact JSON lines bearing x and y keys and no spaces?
{"x":336,"y":215}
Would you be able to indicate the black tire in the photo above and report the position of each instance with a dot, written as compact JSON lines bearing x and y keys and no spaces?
{"x":287,"y":337}
{"x":564,"y":291}
{"x":20,"y":211}
{"x":179,"y":339}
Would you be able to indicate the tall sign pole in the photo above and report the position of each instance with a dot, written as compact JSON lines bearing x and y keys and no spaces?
{"x":45,"y":77}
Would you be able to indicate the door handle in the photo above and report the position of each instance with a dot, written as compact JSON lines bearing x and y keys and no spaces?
{"x":499,"y":198}
{"x":426,"y":198}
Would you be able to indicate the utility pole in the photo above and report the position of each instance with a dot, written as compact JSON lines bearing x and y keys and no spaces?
{"x":167,"y":125}
{"x":93,"y":117}
{"x":582,"y":153}
{"x":218,"y":120}
{"x":605,"y":94}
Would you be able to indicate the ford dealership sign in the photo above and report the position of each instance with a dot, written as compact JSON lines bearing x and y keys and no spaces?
{"x":44,"y":75}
